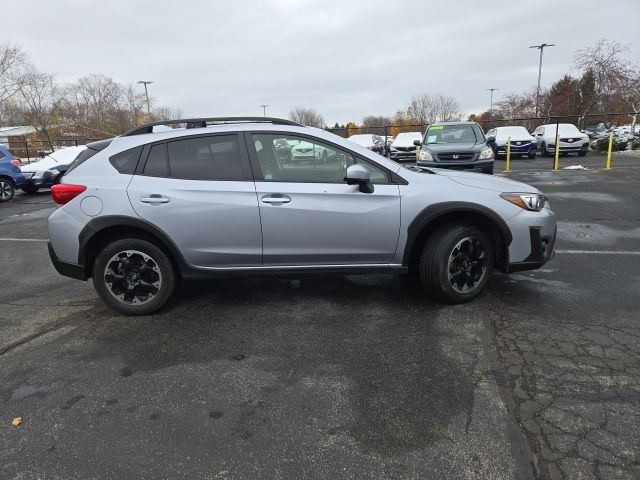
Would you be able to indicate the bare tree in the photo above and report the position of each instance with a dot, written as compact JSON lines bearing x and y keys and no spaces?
{"x":426,"y":108}
{"x":12,"y":62}
{"x":606,"y":60}
{"x":376,"y":123}
{"x":39,"y":100}
{"x":307,"y":116}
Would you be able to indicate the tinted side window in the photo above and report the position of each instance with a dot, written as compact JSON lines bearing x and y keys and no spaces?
{"x":2,"y":155}
{"x":125,"y":162}
{"x":156,"y":165}
{"x":206,"y":158}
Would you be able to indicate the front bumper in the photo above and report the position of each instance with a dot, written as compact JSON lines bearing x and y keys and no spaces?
{"x":517,"y":148}
{"x":542,"y":250}
{"x":461,"y":165}
{"x":534,"y":237}
{"x":403,"y":155}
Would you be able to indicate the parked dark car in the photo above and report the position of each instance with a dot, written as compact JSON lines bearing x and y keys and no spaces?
{"x":522,"y":142}
{"x":10,"y":175}
{"x":457,"y":145}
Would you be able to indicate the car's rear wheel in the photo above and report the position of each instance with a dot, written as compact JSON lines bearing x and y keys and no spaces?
{"x":30,"y":189}
{"x":456,"y":263}
{"x":133,"y":276}
{"x":7,"y":190}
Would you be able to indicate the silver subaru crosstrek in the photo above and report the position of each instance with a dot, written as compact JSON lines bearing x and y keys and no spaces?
{"x":157,"y":206}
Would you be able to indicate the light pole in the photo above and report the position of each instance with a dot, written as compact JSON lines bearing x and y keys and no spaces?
{"x":264,"y":110}
{"x":146,"y":93}
{"x":492,"y":90}
{"x":541,"y":48}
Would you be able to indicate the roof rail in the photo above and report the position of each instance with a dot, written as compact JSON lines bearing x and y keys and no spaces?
{"x":203,"y":122}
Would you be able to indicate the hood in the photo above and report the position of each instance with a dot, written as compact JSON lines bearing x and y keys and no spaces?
{"x":486,"y":182}
{"x":406,"y":140}
{"x":64,"y":156}
{"x":41,"y":165}
{"x":453,"y":147}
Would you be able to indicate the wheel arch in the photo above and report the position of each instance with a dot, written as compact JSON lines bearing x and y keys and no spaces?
{"x":9,"y":178}
{"x":434,"y":216}
{"x":101,"y":231}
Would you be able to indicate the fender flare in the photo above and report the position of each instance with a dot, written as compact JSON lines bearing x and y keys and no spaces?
{"x":433,"y":212}
{"x":97,"y":225}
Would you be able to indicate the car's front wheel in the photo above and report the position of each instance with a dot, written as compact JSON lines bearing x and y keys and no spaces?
{"x":532,"y":154}
{"x":133,"y":276}
{"x":456,"y":263}
{"x":543,"y":150}
{"x":488,"y":170}
{"x":7,"y":190}
{"x":583,"y":152}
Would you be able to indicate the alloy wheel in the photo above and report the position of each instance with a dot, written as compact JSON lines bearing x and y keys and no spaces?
{"x":133,"y":277}
{"x":5,"y":190}
{"x":467,"y":265}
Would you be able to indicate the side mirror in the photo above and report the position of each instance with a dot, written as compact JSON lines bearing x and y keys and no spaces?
{"x":491,"y":139}
{"x":417,"y":143}
{"x":359,"y":175}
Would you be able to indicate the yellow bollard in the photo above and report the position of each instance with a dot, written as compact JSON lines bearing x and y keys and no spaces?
{"x":609,"y":150}
{"x":557,"y":153}
{"x":508,"y":159}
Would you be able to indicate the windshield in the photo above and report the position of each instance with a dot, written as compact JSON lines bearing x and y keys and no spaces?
{"x":437,"y":134}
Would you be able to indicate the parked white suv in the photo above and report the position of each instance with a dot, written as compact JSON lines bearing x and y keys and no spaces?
{"x":571,"y":140}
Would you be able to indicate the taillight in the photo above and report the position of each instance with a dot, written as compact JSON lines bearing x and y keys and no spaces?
{"x":64,"y":193}
{"x":16,"y":162}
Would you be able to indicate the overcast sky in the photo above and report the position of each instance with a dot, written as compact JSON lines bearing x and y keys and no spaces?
{"x":345,"y":58}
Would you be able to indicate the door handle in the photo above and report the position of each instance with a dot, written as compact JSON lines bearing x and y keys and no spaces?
{"x":154,"y":199}
{"x":276,"y":198}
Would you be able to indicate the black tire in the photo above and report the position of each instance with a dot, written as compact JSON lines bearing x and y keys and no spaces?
{"x":108,"y":292}
{"x":582,"y":153}
{"x":496,"y":155}
{"x":543,"y":150}
{"x":7,"y":190}
{"x":531,"y":155}
{"x":30,"y":189}
{"x":435,"y":266}
{"x":488,"y":170}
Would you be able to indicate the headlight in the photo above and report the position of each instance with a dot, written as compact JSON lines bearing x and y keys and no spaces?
{"x":533,"y":202}
{"x":425,"y":156}
{"x":486,"y":153}
{"x":28,"y":175}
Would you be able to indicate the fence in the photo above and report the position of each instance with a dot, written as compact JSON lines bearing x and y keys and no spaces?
{"x":586,"y":141}
{"x":33,"y":149}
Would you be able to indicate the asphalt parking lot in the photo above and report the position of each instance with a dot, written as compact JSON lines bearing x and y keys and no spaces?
{"x":345,"y":377}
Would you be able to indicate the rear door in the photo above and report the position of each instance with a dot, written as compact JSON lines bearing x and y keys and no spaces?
{"x":200,"y":192}
{"x":310,"y":216}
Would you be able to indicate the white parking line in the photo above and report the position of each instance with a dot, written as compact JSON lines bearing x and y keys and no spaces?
{"x":23,"y":240}
{"x":600,"y":252}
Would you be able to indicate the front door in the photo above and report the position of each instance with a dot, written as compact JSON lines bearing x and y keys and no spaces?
{"x":310,"y":216}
